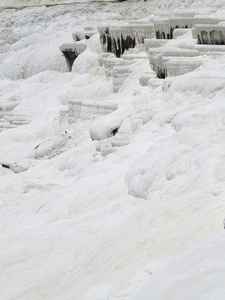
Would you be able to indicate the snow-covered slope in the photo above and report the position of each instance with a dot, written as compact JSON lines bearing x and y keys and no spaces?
{"x":27,"y":3}
{"x":197,"y":274}
{"x":150,"y":5}
{"x":100,"y":189}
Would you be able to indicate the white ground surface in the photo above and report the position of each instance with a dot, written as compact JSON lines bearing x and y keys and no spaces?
{"x":77,"y":225}
{"x":29,"y":3}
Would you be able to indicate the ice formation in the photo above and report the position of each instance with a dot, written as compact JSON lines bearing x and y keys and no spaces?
{"x":165,"y":58}
{"x":119,"y":38}
{"x":165,"y":25}
{"x":71,"y":51}
{"x":211,"y":34}
{"x":112,"y":160}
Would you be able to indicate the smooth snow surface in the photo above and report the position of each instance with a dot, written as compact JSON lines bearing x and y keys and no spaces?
{"x":103,"y":180}
{"x":197,"y":274}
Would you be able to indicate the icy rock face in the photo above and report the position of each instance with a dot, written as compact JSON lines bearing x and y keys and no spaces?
{"x":210,"y":34}
{"x":163,"y":29}
{"x":71,"y":51}
{"x":165,"y":26}
{"x":123,"y":38}
{"x":105,"y":38}
{"x":206,"y":20}
{"x":117,"y":39}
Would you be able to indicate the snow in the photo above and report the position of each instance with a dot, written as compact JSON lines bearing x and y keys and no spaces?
{"x":190,"y":276}
{"x":126,"y":188}
{"x":28,"y":3}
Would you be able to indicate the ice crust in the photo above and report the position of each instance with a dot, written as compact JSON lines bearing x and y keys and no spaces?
{"x":110,"y":177}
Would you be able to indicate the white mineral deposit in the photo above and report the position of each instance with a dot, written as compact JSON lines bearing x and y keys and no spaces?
{"x":112,"y":150}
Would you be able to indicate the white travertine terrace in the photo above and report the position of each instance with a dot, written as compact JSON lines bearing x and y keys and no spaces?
{"x":63,"y":113}
{"x":134,"y":54}
{"x":123,"y":46}
{"x":78,"y":35}
{"x":162,"y":28}
{"x":117,"y":132}
{"x":207,"y":31}
{"x":165,"y":59}
{"x":179,"y":32}
{"x":159,"y":58}
{"x":183,"y":65}
{"x":212,"y":50}
{"x":213,"y":34}
{"x":84,"y":34}
{"x":154,"y":43}
{"x":77,"y":225}
{"x":88,"y":109}
{"x":78,"y":47}
{"x":120,"y":74}
{"x":118,"y":38}
{"x":117,"y":69}
{"x":122,"y":38}
{"x":72,"y":50}
{"x":143,"y":31}
{"x":15,"y":119}
{"x":10,"y":119}
{"x":165,"y":25}
{"x":111,"y":62}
